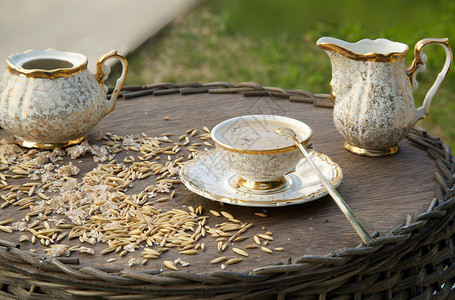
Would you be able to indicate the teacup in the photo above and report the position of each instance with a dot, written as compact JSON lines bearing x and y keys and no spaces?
{"x":259,"y":156}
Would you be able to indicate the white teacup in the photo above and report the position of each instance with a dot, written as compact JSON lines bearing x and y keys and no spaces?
{"x":260,"y":156}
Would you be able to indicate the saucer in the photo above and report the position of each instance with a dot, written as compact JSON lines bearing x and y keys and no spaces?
{"x":210,"y":176}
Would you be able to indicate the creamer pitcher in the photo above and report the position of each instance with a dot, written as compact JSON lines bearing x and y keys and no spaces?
{"x":372,"y":90}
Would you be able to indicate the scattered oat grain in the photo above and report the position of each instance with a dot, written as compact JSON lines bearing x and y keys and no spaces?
{"x":215,"y":213}
{"x":239,"y":251}
{"x":189,"y":252}
{"x":253,"y":246}
{"x":233,"y":261}
{"x":219,"y":260}
{"x":227,"y":215}
{"x":265,"y":237}
{"x":266,"y":250}
{"x":170,"y":265}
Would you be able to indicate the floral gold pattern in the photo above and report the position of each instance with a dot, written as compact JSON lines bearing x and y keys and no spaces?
{"x":372,"y":90}
{"x":49,"y":99}
{"x":262,"y":165}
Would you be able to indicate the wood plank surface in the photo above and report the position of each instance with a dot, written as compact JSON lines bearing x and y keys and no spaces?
{"x":381,"y":191}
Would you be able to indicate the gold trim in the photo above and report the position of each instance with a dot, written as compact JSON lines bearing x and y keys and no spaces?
{"x":261,"y":186}
{"x":371,"y":152}
{"x":40,"y":73}
{"x":335,"y":182}
{"x":47,"y":146}
{"x":101,"y":76}
{"x":376,"y":57}
{"x":264,"y":151}
{"x":417,"y":62}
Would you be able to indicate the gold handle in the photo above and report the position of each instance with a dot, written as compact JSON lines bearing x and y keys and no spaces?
{"x":418,"y":64}
{"x":102,"y":73}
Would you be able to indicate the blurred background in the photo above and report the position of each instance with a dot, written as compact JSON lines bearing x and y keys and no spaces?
{"x":272,"y":43}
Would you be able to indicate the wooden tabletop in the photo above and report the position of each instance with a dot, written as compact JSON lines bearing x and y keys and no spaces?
{"x":381,"y":191}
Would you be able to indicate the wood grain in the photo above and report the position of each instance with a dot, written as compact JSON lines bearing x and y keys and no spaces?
{"x":381,"y":191}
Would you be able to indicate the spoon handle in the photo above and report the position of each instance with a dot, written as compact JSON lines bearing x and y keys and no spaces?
{"x":361,"y":231}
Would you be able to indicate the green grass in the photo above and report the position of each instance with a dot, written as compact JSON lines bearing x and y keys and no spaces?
{"x":273,"y":43}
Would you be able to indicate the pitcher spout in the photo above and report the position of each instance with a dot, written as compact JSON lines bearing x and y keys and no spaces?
{"x":379,"y":50}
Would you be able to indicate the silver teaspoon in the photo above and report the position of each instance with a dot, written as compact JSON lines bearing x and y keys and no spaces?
{"x":361,"y":231}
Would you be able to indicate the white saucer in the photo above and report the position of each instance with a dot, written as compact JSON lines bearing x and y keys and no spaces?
{"x":209,"y":176}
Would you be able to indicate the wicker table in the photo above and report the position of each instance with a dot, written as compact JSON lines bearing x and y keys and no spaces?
{"x":406,"y":200}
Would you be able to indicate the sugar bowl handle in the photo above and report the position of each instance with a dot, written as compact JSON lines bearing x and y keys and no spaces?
{"x":102,"y":73}
{"x":418,"y":65}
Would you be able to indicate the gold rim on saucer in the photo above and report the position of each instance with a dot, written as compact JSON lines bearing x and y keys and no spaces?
{"x":209,"y":176}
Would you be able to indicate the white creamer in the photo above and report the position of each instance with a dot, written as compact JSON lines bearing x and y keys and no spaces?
{"x":372,"y":89}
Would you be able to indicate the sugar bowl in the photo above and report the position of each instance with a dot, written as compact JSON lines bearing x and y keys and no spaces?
{"x":49,"y":99}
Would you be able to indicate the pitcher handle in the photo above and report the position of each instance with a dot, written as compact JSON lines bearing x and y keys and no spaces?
{"x":102,"y":73}
{"x":418,"y":65}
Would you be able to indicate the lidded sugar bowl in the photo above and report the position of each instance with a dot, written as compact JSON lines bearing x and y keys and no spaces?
{"x":49,"y":99}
